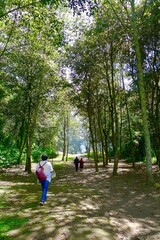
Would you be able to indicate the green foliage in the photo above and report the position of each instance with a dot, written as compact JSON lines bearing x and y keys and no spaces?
{"x":54,"y":2}
{"x":58,"y":166}
{"x":38,"y":151}
{"x":139,"y":151}
{"x":2,"y":6}
{"x":70,"y":158}
{"x":11,"y":222}
{"x":8,"y":156}
{"x":30,"y":87}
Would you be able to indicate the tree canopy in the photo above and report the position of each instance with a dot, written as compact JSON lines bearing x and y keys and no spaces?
{"x":95,"y":60}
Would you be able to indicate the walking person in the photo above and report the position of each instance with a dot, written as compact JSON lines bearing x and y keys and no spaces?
{"x":81,"y":164}
{"x":76,"y":162}
{"x":44,"y":172}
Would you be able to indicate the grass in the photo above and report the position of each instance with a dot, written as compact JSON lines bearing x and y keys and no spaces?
{"x":81,"y":206}
{"x":8,"y":223}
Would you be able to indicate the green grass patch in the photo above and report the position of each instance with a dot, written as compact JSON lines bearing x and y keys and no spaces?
{"x":8,"y":223}
{"x":59,"y":157}
{"x":58,"y":166}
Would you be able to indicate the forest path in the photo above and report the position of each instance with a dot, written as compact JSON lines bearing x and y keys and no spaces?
{"x":81,"y":206}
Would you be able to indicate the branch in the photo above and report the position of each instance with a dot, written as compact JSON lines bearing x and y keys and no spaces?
{"x":10,"y":34}
{"x":145,"y":7}
{"x":114,"y":10}
{"x":17,"y":8}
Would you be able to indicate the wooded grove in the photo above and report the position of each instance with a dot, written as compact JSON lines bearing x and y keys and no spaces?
{"x":80,"y":72}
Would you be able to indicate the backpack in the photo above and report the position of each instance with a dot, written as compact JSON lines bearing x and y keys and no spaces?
{"x":40,"y":173}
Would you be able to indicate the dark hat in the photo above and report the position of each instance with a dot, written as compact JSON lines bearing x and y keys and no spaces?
{"x":44,"y":157}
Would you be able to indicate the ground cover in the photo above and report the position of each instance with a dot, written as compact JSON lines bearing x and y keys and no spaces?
{"x":81,"y":206}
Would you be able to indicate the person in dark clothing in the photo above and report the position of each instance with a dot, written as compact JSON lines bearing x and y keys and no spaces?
{"x":76,"y":162}
{"x":81,"y":164}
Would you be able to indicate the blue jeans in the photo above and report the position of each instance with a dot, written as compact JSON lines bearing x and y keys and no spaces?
{"x":44,"y":185}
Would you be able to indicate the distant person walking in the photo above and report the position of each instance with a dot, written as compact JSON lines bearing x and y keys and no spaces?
{"x":44,"y":172}
{"x":81,"y":164}
{"x":76,"y":162}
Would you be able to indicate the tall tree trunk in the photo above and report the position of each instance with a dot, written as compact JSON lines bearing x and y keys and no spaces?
{"x":142,"y":96}
{"x":93,"y":144}
{"x":95,"y":136}
{"x":21,"y":151}
{"x":67,"y":138}
{"x":31,"y":126}
{"x":30,"y":134}
{"x":92,"y":126}
{"x":129,"y":126}
{"x":106,"y":146}
{"x":29,"y":140}
{"x":110,"y":106}
{"x":116,"y":133}
{"x":158,"y":157}
{"x":64,"y":138}
{"x":22,"y":141}
{"x":101,"y":134}
{"x":28,"y":152}
{"x":88,"y":148}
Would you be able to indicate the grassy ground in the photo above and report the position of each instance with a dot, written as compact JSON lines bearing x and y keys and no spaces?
{"x":81,"y":206}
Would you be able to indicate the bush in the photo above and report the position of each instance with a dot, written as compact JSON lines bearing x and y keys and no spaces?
{"x":8,"y":156}
{"x":38,"y":151}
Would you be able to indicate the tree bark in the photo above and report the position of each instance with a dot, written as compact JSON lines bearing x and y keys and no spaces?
{"x":129,"y":126}
{"x":28,"y":154}
{"x":116,"y":132}
{"x":64,"y":139}
{"x":67,"y":138}
{"x":142,"y":96}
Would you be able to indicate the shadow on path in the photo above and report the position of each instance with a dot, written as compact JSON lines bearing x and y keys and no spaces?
{"x":81,"y":206}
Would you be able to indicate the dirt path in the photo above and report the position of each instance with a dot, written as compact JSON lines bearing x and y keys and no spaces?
{"x":81,"y":206}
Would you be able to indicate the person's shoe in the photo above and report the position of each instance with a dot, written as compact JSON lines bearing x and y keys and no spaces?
{"x":42,"y":203}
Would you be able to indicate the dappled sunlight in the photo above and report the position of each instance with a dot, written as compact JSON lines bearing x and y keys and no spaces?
{"x":89,"y":205}
{"x":100,"y":233}
{"x":133,"y":226}
{"x":82,"y":206}
{"x":14,"y":232}
{"x":9,"y":183}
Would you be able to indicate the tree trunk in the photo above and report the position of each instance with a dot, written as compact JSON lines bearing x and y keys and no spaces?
{"x":142,"y":97}
{"x":31,"y":126}
{"x":101,"y":135}
{"x":22,"y":141}
{"x":29,"y":140}
{"x":116,"y":132}
{"x":64,"y":139}
{"x":129,"y":127}
{"x":106,"y":146}
{"x":111,"y":110}
{"x":93,"y":144}
{"x":67,"y":138}
{"x":92,"y":126}
{"x":21,"y":151}
{"x":28,"y":154}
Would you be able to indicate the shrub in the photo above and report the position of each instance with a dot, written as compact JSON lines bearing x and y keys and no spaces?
{"x":38,"y":151}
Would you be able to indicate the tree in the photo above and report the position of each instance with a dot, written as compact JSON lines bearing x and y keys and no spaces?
{"x":133,"y":17}
{"x":35,"y":32}
{"x":30,"y":79}
{"x":142,"y":93}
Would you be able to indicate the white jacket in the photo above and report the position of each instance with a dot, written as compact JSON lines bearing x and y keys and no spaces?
{"x":48,"y":169}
